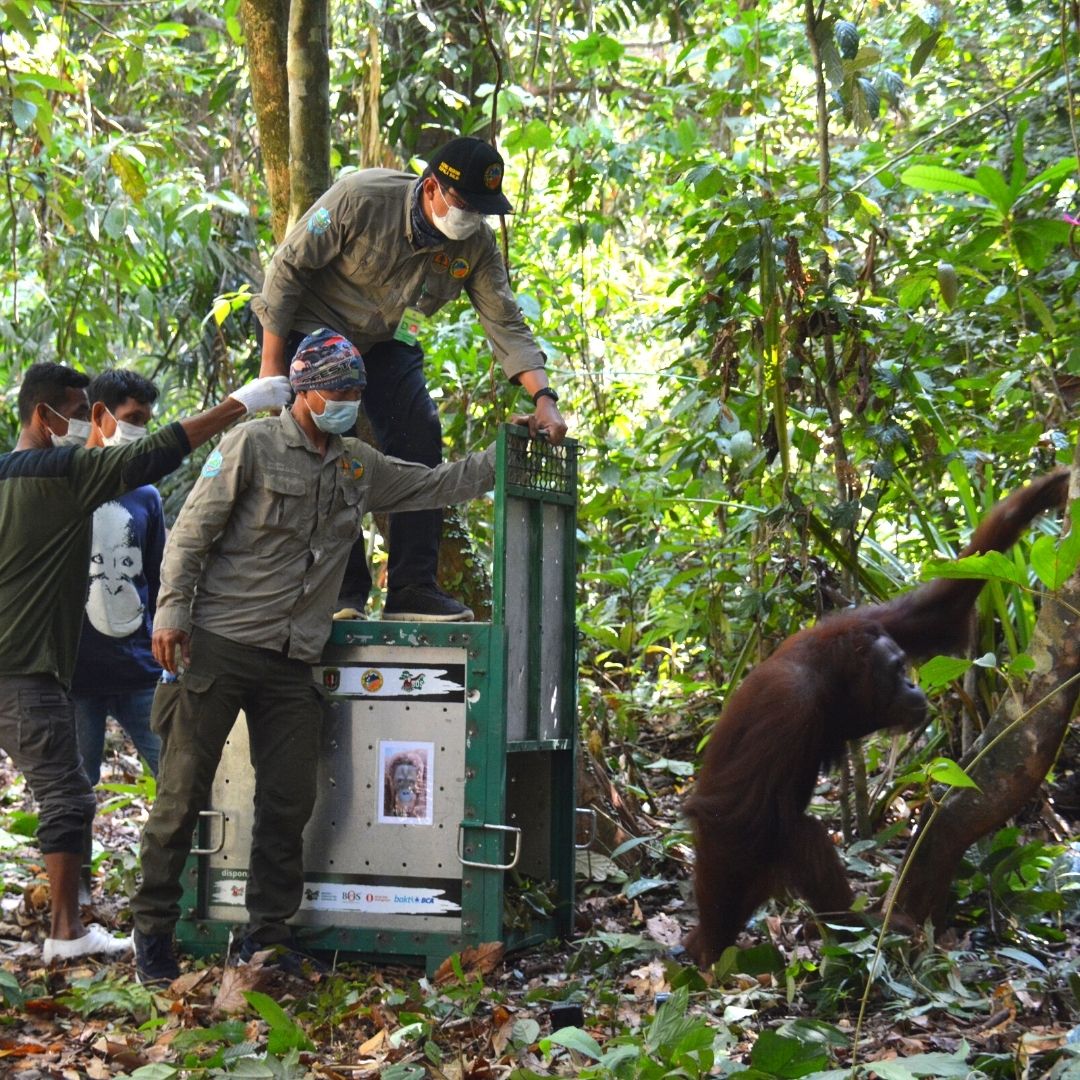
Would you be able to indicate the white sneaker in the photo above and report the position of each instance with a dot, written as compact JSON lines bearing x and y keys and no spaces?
{"x":97,"y":941}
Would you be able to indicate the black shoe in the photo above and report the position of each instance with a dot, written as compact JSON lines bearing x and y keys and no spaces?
{"x":155,"y":961}
{"x":286,"y":956}
{"x":424,"y":603}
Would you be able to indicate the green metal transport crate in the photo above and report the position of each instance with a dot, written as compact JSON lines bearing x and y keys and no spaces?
{"x":445,"y":815}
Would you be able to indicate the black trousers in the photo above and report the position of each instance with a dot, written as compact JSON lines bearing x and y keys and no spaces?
{"x":406,"y":425}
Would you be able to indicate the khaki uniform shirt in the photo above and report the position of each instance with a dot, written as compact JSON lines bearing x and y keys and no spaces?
{"x":258,"y":552}
{"x":349,"y":264}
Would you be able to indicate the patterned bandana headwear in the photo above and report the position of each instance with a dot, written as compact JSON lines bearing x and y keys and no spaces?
{"x":327,"y":361}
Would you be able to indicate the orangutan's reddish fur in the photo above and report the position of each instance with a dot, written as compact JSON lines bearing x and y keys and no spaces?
{"x":843,"y":678}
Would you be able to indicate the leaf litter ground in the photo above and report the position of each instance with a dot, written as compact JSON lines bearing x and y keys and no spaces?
{"x":619,"y":1000}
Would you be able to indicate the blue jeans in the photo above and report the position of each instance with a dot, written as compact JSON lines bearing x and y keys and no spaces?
{"x":131,"y":711}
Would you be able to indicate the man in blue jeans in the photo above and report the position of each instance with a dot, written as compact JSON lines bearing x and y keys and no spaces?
{"x":116,"y":673}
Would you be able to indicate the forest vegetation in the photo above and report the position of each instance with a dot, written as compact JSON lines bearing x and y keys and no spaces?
{"x":806,"y":275}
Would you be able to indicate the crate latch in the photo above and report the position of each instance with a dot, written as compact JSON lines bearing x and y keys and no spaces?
{"x":462,"y":826}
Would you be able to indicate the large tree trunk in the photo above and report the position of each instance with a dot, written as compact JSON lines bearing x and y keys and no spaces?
{"x":289,"y":68}
{"x":1016,"y":759}
{"x":265,"y":22}
{"x":309,"y":103}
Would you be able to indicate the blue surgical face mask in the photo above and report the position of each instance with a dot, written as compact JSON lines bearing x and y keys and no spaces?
{"x":337,"y":417}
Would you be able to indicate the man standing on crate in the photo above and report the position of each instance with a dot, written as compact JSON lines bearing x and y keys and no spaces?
{"x":250,"y":578}
{"x":375,"y":257}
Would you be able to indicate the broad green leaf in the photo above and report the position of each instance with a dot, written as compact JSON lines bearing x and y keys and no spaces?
{"x":925,"y":48}
{"x":17,"y":15}
{"x":913,"y":290}
{"x":285,"y":1032}
{"x":939,"y":1066}
{"x":1034,"y":302}
{"x":573,"y":1039}
{"x":23,"y":113}
{"x":131,"y":178}
{"x":943,"y":770}
{"x":993,"y":566}
{"x":535,"y":135}
{"x":785,"y":1058}
{"x":1054,"y":562}
{"x":1057,"y":171}
{"x":995,"y":187}
{"x":940,"y":671}
{"x":938,"y":178}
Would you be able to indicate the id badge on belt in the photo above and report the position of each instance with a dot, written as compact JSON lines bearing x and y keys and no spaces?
{"x":412,"y":323}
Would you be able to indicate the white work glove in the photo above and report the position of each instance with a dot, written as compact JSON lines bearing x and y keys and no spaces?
{"x":270,"y":392}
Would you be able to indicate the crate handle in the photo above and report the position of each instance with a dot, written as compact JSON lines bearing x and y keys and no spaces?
{"x":590,"y":813}
{"x":462,"y":826}
{"x":221,"y":843}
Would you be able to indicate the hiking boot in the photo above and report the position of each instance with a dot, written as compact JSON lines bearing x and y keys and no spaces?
{"x":424,"y":603}
{"x":155,"y":961}
{"x":286,"y":956}
{"x":97,"y":942}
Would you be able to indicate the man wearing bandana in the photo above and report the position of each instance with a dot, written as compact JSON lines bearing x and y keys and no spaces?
{"x":375,"y":257}
{"x":249,"y":582}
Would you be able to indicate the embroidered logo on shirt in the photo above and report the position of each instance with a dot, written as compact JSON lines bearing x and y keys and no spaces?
{"x":319,"y":222}
{"x":459,"y":268}
{"x":441,"y":261}
{"x":213,"y":465}
{"x":352,"y":468}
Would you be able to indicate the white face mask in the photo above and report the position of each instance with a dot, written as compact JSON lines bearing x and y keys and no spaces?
{"x":456,"y":224}
{"x":78,"y":431}
{"x":124,"y":433}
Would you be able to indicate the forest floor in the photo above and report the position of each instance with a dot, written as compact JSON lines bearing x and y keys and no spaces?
{"x":618,"y":1000}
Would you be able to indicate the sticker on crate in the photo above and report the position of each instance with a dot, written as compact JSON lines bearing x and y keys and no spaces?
{"x":400,"y":897}
{"x":417,"y":682}
{"x":376,"y":899}
{"x":407,"y":778}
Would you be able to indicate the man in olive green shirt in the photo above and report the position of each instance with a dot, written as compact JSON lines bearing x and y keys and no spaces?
{"x":249,"y":581}
{"x":374,"y":258}
{"x":49,"y":489}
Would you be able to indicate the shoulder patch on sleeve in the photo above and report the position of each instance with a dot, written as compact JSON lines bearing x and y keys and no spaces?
{"x":212,"y":465}
{"x":319,"y":222}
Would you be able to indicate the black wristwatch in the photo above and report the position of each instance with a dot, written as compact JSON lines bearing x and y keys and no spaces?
{"x":545,"y":391}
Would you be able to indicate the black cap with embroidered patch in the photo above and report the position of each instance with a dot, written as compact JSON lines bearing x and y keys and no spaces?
{"x":474,"y":169}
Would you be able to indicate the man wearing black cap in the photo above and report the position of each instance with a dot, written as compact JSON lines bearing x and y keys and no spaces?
{"x":374,"y":258}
